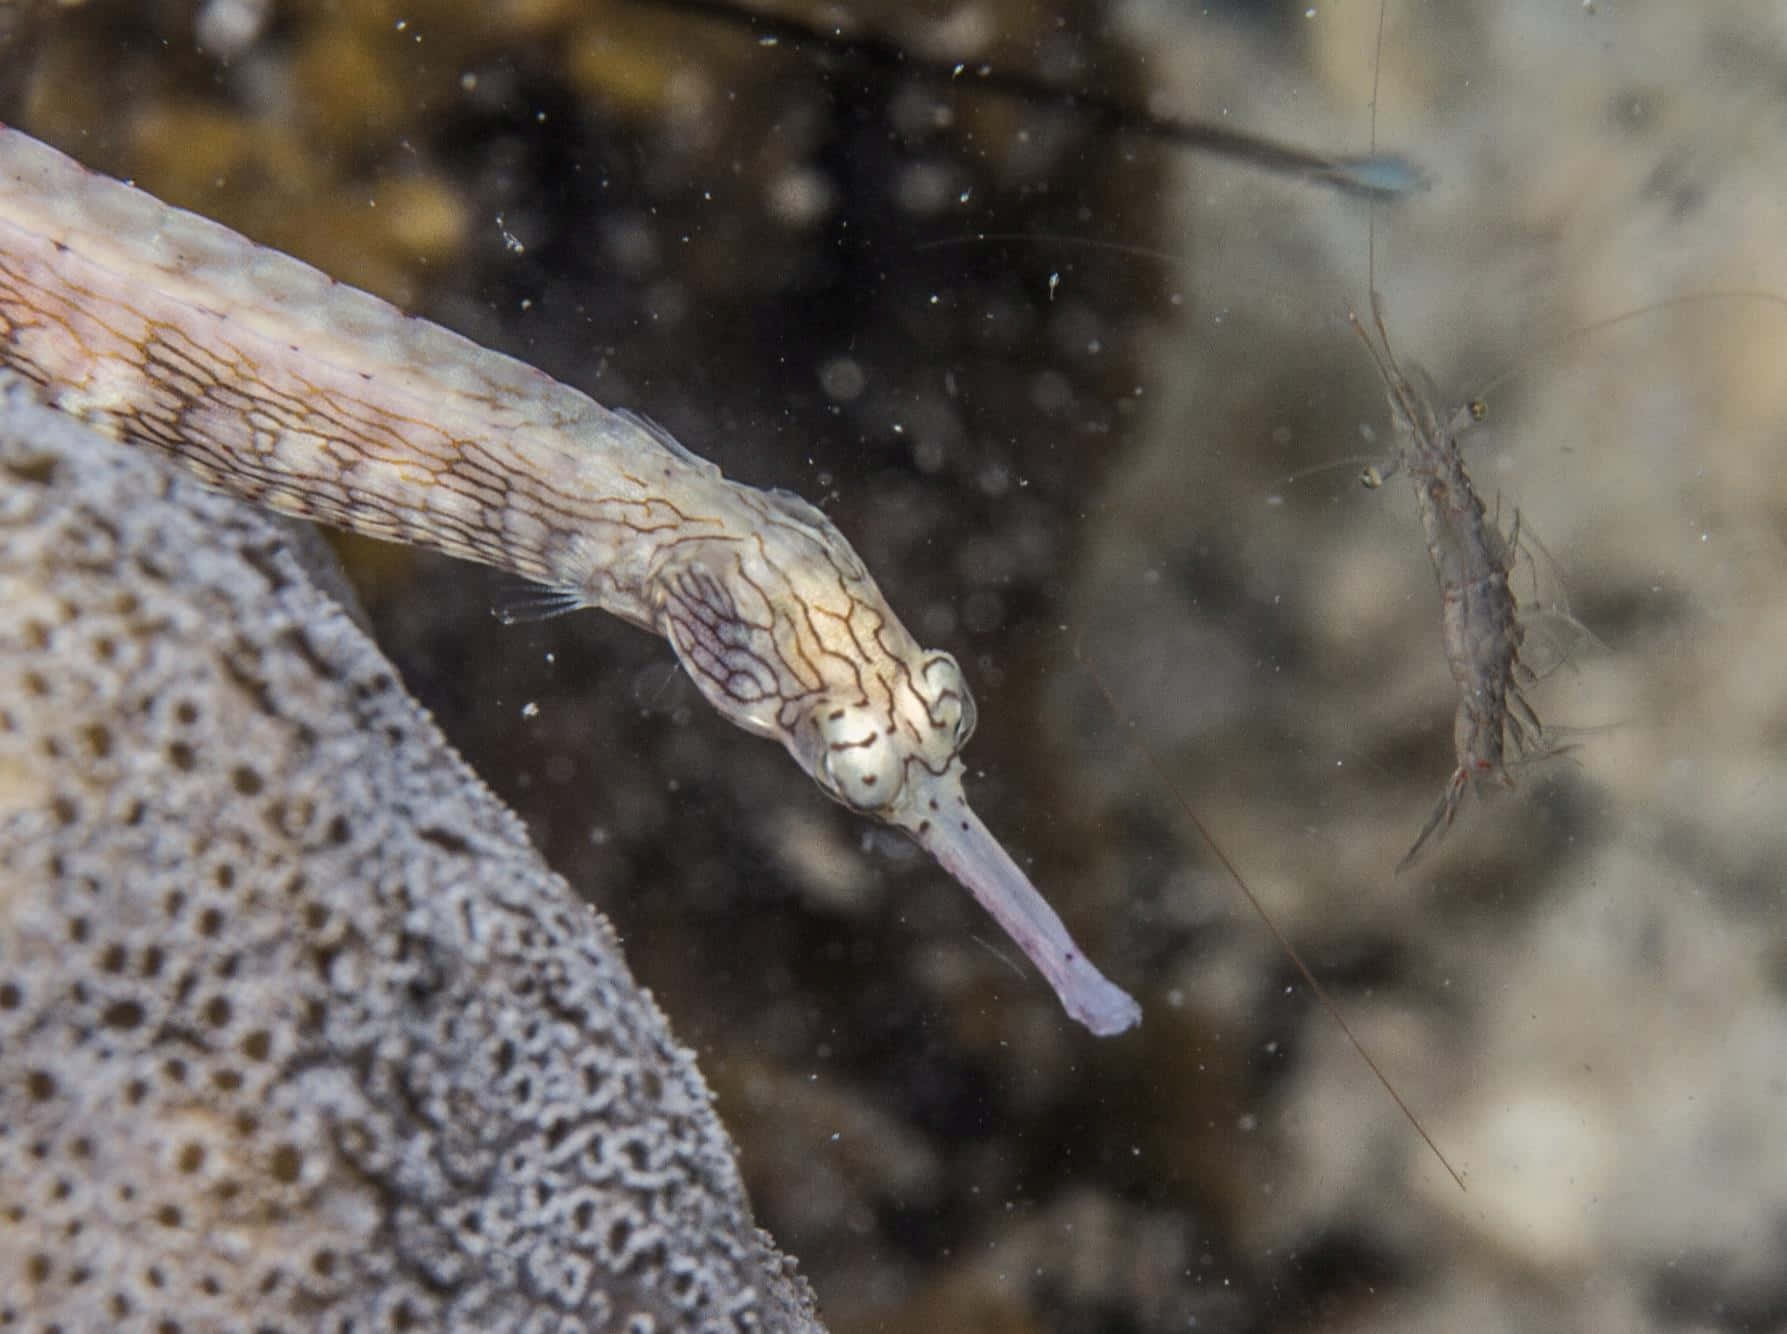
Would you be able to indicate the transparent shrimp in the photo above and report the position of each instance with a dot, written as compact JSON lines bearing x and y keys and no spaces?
{"x":1472,"y":559}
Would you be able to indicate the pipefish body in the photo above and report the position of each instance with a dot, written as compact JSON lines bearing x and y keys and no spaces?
{"x":267,"y":379}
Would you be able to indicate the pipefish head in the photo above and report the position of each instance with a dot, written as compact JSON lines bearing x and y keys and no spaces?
{"x":891,"y":752}
{"x":786,"y":634}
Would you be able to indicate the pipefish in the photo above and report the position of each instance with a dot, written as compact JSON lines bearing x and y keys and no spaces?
{"x":267,"y":379}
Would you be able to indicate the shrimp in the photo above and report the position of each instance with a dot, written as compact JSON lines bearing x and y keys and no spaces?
{"x":1480,"y":616}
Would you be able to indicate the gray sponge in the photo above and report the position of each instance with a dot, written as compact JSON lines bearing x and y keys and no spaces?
{"x":296,"y":1030}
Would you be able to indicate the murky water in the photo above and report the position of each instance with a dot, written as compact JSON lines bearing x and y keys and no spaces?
{"x":1035,"y":444}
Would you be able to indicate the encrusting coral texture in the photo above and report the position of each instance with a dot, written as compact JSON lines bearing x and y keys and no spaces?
{"x":296,"y":1030}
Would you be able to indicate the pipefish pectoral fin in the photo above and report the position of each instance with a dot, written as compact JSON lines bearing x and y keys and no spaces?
{"x":526,"y":603}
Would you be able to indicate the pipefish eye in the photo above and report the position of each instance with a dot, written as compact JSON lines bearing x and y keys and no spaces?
{"x":859,"y":764}
{"x":948,"y":698}
{"x":1479,"y":409}
{"x":1371,"y":478}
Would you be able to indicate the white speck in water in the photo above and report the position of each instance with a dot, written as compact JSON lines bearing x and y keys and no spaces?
{"x":1054,"y":282}
{"x":1175,"y":999}
{"x":468,"y":82}
{"x":965,"y":196}
{"x":1309,"y":13}
{"x":835,"y":1137}
{"x":551,"y":658}
{"x":769,"y":41}
{"x":597,"y":836}
{"x":531,"y":709}
{"x":1247,"y":1123}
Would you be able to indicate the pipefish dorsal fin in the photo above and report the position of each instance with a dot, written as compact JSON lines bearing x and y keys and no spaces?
{"x":661,"y":436}
{"x":799,"y":509}
{"x":788,"y":508}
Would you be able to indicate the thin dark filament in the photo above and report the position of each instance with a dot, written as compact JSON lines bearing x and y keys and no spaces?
{"x":1371,"y":177}
{"x":1290,"y":951}
{"x":1549,"y":345}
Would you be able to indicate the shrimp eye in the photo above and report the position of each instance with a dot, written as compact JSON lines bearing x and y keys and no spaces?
{"x":947,"y":697}
{"x":859,"y":764}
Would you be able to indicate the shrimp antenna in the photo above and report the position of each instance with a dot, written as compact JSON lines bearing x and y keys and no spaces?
{"x":1389,"y":371}
{"x":1717,"y":296}
{"x":1290,"y":951}
{"x":1377,"y":69}
{"x":1332,"y":465}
